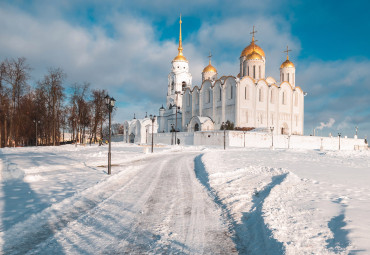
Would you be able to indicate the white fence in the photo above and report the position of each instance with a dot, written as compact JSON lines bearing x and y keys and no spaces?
{"x":260,"y":140}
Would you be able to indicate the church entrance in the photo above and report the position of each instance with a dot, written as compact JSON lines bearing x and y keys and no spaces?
{"x":132,"y":138}
{"x":285,"y":129}
{"x":196,"y":127}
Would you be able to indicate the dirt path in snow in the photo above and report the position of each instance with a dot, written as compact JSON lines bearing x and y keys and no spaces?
{"x":157,"y":207}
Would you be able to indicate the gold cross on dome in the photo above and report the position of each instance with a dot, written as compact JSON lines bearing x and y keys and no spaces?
{"x":252,"y":33}
{"x":287,"y":51}
{"x":210,"y":56}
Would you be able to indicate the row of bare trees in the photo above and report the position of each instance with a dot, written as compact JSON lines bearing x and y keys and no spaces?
{"x":43,"y":113}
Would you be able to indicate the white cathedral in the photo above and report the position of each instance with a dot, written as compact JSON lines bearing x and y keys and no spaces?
{"x":248,"y":101}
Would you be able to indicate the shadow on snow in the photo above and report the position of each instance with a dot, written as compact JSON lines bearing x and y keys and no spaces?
{"x":252,"y":236}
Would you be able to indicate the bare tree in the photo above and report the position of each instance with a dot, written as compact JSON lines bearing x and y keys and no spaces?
{"x":15,"y":74}
{"x":100,"y":112}
{"x":52,"y":92}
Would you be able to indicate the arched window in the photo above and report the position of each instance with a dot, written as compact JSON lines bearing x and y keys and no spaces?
{"x":254,"y":72}
{"x":188,"y":101}
{"x":282,"y":77}
{"x":207,"y":96}
{"x":248,"y":71}
{"x":259,"y":72}
{"x":284,"y":98}
{"x":272,"y":96}
{"x":231,"y":92}
{"x":260,"y":95}
{"x":183,"y":85}
{"x":172,"y":85}
{"x":220,"y":95}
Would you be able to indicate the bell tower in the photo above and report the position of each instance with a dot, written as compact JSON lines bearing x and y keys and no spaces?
{"x":179,"y":78}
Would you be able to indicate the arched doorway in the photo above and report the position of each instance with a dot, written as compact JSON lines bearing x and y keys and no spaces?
{"x":196,"y":127}
{"x":285,"y":129}
{"x":132,"y":138}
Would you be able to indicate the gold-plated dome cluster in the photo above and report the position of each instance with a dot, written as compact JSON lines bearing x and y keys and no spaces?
{"x":180,"y":56}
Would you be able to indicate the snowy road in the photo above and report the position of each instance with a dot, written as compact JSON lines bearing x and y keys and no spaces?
{"x":183,"y":200}
{"x":156,"y":206}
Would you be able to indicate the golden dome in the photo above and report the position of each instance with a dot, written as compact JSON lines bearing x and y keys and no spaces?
{"x":254,"y":55}
{"x":209,"y":69}
{"x":249,"y":49}
{"x":252,"y":47}
{"x":180,"y":58}
{"x":287,"y":63}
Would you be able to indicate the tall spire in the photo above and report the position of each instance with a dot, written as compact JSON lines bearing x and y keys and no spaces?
{"x":180,"y":39}
{"x":180,"y":55}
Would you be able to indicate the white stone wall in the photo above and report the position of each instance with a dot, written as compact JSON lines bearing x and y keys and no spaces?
{"x":262,"y":140}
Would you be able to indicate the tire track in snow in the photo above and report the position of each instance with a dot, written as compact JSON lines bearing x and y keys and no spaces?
{"x":248,"y":235}
{"x":41,"y":226}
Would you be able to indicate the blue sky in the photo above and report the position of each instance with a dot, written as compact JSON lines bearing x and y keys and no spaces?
{"x":126,"y":47}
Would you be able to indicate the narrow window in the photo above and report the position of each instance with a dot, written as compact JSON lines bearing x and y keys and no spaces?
{"x":259,"y":71}
{"x":248,"y":70}
{"x":246,"y":116}
{"x":231,"y":92}
{"x":254,"y":72}
{"x":282,"y":75}
{"x":260,"y":96}
{"x":245,"y":93}
{"x":283,"y":99}
{"x":288,"y":77}
{"x":272,"y":97}
{"x":220,"y":95}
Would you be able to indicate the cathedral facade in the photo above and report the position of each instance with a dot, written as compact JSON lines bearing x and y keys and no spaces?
{"x":248,"y":101}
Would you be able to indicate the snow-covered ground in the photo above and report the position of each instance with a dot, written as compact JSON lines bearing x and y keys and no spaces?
{"x":183,"y":200}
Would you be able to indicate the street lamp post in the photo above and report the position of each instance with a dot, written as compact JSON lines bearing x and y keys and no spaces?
{"x":272,"y":137}
{"x":172,"y":129}
{"x":244,"y":137}
{"x":152,"y":118}
{"x":109,"y":101}
{"x":339,"y":135}
{"x":177,"y":100}
{"x":36,"y":121}
{"x":224,"y":126}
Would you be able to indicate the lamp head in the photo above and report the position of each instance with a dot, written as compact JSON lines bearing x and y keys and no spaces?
{"x":107,"y":98}
{"x":112,"y":101}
